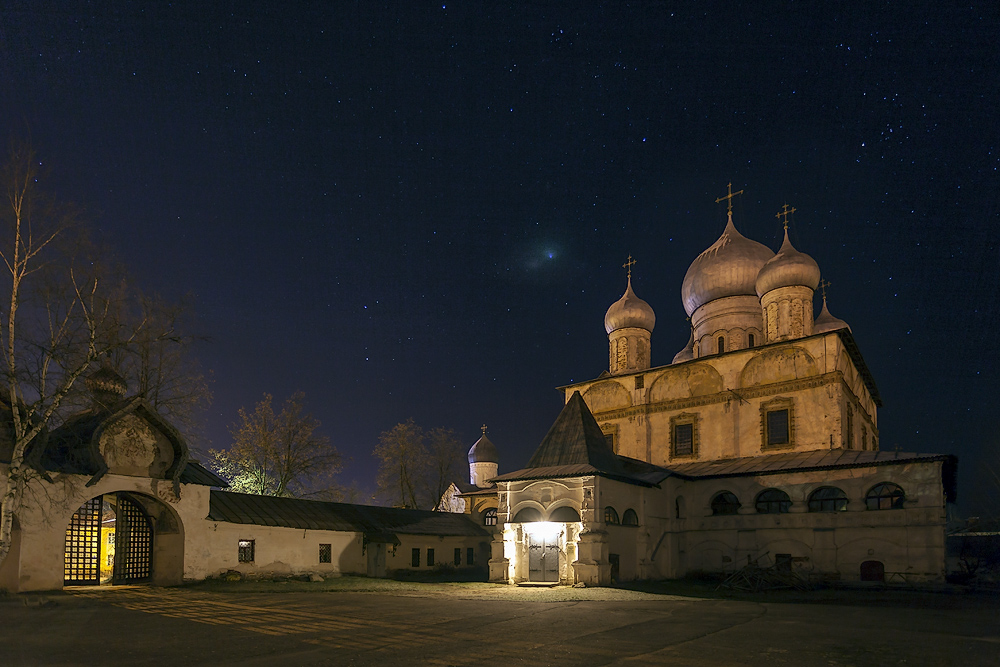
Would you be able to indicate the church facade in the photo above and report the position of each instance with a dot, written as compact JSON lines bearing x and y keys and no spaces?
{"x":758,"y":443}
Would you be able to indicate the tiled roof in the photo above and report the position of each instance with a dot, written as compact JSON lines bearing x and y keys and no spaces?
{"x":796,"y":461}
{"x":316,"y":515}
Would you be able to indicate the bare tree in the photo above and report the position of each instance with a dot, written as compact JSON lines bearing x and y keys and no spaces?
{"x":416,"y":466}
{"x":62,"y":311}
{"x":402,"y":456}
{"x":278,"y":454}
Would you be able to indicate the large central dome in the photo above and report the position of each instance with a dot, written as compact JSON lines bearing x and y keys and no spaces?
{"x":728,"y":268}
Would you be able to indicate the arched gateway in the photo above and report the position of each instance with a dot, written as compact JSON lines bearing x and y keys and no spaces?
{"x":109,"y":540}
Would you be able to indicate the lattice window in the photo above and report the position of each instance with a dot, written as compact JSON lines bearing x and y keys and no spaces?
{"x":725,"y":503}
{"x":326,"y":553}
{"x":247,"y":549}
{"x":828,"y":499}
{"x":490,"y":517}
{"x":885,"y":496}
{"x":611,"y":516}
{"x":684,"y":435}
{"x":773,"y":501}
{"x":83,"y":543}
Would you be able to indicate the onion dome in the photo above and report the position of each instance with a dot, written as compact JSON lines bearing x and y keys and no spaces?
{"x":729,"y":267}
{"x":687,"y":353}
{"x":826,"y":322}
{"x":629,"y":311}
{"x":484,"y":451}
{"x":789,"y":267}
{"x":106,"y":384}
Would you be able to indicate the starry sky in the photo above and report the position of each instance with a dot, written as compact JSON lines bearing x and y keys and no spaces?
{"x":420,"y":210}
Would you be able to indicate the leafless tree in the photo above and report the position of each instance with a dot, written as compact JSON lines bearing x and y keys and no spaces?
{"x":62,"y":310}
{"x":416,"y":466}
{"x":279,"y":454}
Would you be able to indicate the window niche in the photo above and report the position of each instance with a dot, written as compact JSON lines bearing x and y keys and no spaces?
{"x":246,"y":551}
{"x":610,"y":432}
{"x":684,"y":436}
{"x":777,"y":424}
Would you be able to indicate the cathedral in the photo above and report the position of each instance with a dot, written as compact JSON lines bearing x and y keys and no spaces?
{"x":759,"y":443}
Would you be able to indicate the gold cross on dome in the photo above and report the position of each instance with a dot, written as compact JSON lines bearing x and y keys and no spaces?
{"x":729,"y":197}
{"x":784,"y":213}
{"x":484,"y":429}
{"x":823,"y":284}
{"x":628,"y":266}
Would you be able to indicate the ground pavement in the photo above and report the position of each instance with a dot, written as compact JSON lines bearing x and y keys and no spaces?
{"x":437,"y":625}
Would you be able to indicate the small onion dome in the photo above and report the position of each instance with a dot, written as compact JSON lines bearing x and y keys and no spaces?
{"x":484,"y":451}
{"x":729,"y":267}
{"x":789,"y":267}
{"x":106,"y":382}
{"x":687,"y":353}
{"x":629,"y":311}
{"x":826,"y":322}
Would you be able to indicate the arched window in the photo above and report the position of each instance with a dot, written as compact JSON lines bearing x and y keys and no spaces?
{"x":490,"y":517}
{"x":527,"y":515}
{"x":725,"y":503}
{"x":750,"y":340}
{"x":630,"y":518}
{"x":610,"y":515}
{"x":828,"y":499}
{"x":722,"y":344}
{"x":564,"y":515}
{"x":773,"y":501}
{"x":885,"y":496}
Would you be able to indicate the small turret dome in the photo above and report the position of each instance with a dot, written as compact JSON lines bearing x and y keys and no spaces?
{"x":826,"y":322}
{"x":729,"y":267}
{"x":484,"y":451}
{"x":106,"y":386}
{"x":629,"y":312}
{"x":789,"y":267}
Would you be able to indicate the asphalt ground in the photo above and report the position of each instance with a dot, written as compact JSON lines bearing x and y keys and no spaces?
{"x":475,"y":624}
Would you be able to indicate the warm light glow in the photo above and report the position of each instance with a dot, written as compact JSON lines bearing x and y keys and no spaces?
{"x":543,"y":530}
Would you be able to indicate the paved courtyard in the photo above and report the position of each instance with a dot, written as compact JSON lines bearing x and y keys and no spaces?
{"x":441,"y":625}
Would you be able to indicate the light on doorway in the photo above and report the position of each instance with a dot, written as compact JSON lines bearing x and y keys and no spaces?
{"x":543,"y":530}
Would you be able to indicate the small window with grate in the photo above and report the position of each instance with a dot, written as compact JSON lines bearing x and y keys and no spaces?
{"x":490,"y":517}
{"x":247,"y":548}
{"x":415,"y":558}
{"x":430,"y":557}
{"x":777,"y":428}
{"x":640,"y":382}
{"x":470,"y":556}
{"x":683,"y":439}
{"x":326,"y":553}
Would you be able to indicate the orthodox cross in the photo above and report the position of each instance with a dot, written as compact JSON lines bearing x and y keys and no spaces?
{"x":823,"y":284}
{"x":628,"y":266}
{"x":729,"y":197}
{"x":785,"y":212}
{"x":484,"y":429}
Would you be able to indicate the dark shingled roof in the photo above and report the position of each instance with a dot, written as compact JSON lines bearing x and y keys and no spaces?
{"x":824,"y":459}
{"x":575,"y":446}
{"x":196,"y":473}
{"x":315,"y":515}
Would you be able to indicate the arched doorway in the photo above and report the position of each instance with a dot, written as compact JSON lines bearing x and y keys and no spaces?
{"x":872,"y":570}
{"x":109,"y":540}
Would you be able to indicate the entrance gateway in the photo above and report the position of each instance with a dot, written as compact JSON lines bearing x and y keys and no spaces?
{"x":543,"y":558}
{"x":109,"y":540}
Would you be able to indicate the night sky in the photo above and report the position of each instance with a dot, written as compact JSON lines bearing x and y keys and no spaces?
{"x":421,"y":210}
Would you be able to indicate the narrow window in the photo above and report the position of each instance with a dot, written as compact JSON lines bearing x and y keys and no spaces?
{"x":458,"y":556}
{"x":246,"y":554}
{"x":750,"y":340}
{"x":777,"y":428}
{"x":430,"y":557}
{"x":611,"y":516}
{"x":639,"y":382}
{"x":683,"y":439}
{"x":849,"y":429}
{"x":415,"y":558}
{"x":325,"y":553}
{"x":490,"y":517}
{"x":470,"y":556}
{"x":722,"y":344}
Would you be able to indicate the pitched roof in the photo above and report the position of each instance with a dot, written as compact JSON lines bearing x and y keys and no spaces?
{"x":316,"y":515}
{"x":575,"y":446}
{"x":824,"y":459}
